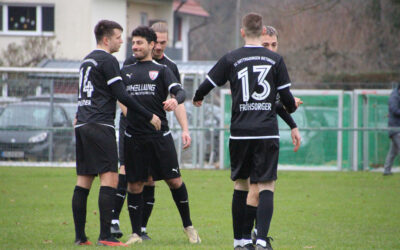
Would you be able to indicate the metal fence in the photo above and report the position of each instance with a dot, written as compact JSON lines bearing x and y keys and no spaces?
{"x":340,"y":129}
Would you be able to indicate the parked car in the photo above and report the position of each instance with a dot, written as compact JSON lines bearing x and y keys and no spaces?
{"x":25,"y":133}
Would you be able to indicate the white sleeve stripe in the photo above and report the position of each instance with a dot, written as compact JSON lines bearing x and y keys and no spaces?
{"x":284,"y":86}
{"x":173,"y":85}
{"x":112,"y":80}
{"x":211,"y":81}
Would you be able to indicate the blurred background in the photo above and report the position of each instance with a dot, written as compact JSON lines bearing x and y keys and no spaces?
{"x":343,"y":58}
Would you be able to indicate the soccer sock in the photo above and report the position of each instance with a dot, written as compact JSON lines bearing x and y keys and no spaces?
{"x":148,"y":197}
{"x":106,"y":206}
{"x":79,"y":202}
{"x":120,"y":196}
{"x":181,"y":199}
{"x":264,"y":214}
{"x":238,"y":213}
{"x":251,"y":214}
{"x":135,"y":207}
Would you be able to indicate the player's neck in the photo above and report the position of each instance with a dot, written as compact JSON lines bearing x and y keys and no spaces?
{"x":102,"y":47}
{"x":256,"y":41}
{"x":159,"y":57}
{"x":146,"y":59}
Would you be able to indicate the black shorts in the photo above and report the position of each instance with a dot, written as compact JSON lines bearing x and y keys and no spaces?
{"x":257,"y":159}
{"x":121,"y":132}
{"x":96,"y":149}
{"x":150,"y":156}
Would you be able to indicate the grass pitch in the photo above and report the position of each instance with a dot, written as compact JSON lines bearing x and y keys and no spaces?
{"x":313,"y":210}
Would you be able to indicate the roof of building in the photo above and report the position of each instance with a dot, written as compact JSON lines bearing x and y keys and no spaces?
{"x":191,"y":7}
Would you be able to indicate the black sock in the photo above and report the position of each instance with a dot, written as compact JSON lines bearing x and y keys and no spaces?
{"x":120,"y":196}
{"x":238,"y":212}
{"x":251,"y":214}
{"x":106,"y":205}
{"x":135,"y":207}
{"x":148,"y":198}
{"x":79,"y":202}
{"x":181,"y":199}
{"x":264,"y":213}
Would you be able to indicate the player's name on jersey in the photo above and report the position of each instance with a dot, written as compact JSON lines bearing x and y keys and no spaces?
{"x":84,"y":102}
{"x":254,"y":58}
{"x":254,"y":106}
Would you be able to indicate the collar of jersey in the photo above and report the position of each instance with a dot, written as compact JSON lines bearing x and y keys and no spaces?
{"x":100,"y":50}
{"x":252,"y":46}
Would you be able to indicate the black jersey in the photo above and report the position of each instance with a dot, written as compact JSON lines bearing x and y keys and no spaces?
{"x":96,"y":104}
{"x":149,"y":83}
{"x":165,"y":60}
{"x":255,"y":75}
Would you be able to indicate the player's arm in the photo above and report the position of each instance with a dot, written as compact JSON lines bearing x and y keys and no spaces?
{"x":216,"y":77}
{"x":283,"y":87}
{"x":123,"y":108}
{"x":294,"y":133}
{"x":394,"y":104}
{"x":174,"y":88}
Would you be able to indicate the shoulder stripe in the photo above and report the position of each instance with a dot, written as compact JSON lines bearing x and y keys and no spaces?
{"x":169,"y":59}
{"x":254,"y":137}
{"x":154,"y":61}
{"x":173,"y":85}
{"x":211,"y":81}
{"x":112,"y":80}
{"x":284,"y":86}
{"x":91,"y":61}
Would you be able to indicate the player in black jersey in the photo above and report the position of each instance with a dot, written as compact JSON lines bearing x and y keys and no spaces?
{"x":148,"y":152}
{"x":100,"y":85}
{"x":269,"y":41}
{"x":256,"y":75}
{"x":158,"y":55}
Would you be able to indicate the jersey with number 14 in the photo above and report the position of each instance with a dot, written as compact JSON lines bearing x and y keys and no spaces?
{"x":255,"y":75}
{"x":96,"y":104}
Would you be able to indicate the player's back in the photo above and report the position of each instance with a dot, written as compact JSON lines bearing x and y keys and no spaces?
{"x":255,"y":74}
{"x":96,"y":103}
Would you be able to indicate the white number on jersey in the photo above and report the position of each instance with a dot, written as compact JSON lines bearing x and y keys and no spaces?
{"x":83,"y":81}
{"x":244,"y":76}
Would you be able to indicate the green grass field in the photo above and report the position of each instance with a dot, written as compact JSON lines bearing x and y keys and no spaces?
{"x":313,"y":210}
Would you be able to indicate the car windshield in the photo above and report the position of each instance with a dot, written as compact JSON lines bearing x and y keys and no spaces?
{"x":24,"y":116}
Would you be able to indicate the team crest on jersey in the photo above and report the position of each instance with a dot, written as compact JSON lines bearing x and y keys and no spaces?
{"x":153,"y":74}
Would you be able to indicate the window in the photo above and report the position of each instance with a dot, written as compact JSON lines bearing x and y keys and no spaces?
{"x":144,"y":19}
{"x":29,"y":19}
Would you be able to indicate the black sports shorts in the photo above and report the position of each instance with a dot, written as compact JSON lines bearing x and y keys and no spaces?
{"x":96,"y":149}
{"x":254,"y":158}
{"x":150,"y":156}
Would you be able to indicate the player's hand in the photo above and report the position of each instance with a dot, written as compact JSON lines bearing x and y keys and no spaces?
{"x":156,"y":122}
{"x":296,"y":139}
{"x":197,"y":103}
{"x":170,"y":104}
{"x":186,"y":140}
{"x":297,"y":101}
{"x":74,"y":122}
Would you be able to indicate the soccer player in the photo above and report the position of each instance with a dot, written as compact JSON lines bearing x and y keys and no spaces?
{"x":256,"y":75}
{"x":269,"y":41}
{"x":100,"y":84}
{"x":158,"y":55}
{"x":149,"y":152}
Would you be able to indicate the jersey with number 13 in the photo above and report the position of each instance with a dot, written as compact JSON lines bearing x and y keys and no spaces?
{"x":96,"y":104}
{"x":255,"y":75}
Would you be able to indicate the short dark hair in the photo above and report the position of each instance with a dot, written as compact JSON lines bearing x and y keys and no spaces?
{"x":145,"y":32}
{"x":252,"y":25}
{"x":105,"y":28}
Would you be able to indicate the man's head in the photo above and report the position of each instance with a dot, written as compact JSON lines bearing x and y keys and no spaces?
{"x":108,"y":35}
{"x":143,"y":40}
{"x":252,"y":25}
{"x":161,"y":30}
{"x":269,"y":39}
